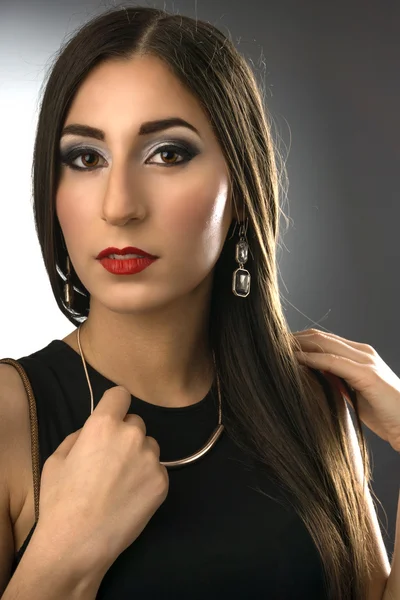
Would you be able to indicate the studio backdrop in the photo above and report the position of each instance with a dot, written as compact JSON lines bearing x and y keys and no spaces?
{"x":330,"y":74}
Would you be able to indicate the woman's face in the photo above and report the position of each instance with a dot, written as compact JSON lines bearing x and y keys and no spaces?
{"x":170,"y":202}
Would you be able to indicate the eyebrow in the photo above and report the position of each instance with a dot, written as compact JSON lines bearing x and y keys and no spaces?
{"x":145,"y":128}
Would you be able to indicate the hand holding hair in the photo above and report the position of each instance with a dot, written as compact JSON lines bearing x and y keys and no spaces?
{"x":377,"y":387}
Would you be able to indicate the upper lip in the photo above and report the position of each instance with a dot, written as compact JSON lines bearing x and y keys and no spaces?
{"x":127,"y":250}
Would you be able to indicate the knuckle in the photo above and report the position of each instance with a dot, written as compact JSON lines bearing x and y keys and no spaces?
{"x":153,"y":442}
{"x":102,"y":420}
{"x":134,"y":420}
{"x":162,"y":481}
{"x":135,"y":435}
{"x":153,"y":454}
{"x":139,"y":421}
{"x":52,"y":462}
{"x":139,"y":426}
{"x":368,"y":348}
{"x":165,"y":478}
{"x":48,"y":462}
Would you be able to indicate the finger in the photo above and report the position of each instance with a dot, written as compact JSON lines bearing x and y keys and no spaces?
{"x":325,"y":344}
{"x":68,"y":443}
{"x":353,"y":372}
{"x":115,"y":402}
{"x":137,"y":421}
{"x":317,"y":332}
{"x":155,"y":446}
{"x":340,"y":384}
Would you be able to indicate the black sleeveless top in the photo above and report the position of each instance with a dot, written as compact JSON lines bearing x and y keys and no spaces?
{"x":220,"y":533}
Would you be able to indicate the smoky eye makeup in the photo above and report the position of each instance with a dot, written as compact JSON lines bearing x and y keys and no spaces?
{"x":185,"y":149}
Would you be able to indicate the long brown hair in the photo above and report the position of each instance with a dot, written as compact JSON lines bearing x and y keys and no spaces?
{"x":270,"y":406}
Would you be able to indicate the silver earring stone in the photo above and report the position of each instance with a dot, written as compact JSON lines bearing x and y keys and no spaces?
{"x":68,"y":289}
{"x":241,"y":277}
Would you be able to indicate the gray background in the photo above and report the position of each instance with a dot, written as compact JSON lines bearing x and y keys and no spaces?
{"x":331,"y":76}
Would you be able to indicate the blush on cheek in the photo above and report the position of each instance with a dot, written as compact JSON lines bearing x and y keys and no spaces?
{"x":198,"y":231}
{"x":74,"y":215}
{"x":203,"y":209}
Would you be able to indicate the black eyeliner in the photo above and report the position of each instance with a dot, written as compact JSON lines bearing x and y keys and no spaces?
{"x":187,"y":150}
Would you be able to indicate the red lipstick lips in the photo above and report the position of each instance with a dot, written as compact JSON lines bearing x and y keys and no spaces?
{"x":128,"y":250}
{"x":125,"y":266}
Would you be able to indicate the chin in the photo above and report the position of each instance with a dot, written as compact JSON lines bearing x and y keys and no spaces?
{"x":134,"y":302}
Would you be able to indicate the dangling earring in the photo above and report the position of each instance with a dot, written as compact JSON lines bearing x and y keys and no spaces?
{"x":241,"y":277}
{"x":68,"y":288}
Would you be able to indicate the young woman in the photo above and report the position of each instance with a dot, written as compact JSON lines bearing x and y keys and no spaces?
{"x":180,"y":448}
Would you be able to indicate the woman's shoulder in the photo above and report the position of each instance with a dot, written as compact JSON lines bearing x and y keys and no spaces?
{"x":39,"y":371}
{"x":15,"y":432}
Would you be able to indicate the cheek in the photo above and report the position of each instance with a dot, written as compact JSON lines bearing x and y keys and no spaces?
{"x":199,"y":213}
{"x":192,"y":215}
{"x":72,"y":214}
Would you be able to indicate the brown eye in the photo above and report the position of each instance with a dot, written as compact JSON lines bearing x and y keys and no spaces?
{"x":88,"y":163}
{"x":169,"y":157}
{"x":168,"y":152}
{"x":84,"y":154}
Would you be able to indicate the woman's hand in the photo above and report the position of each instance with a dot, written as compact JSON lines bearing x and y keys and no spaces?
{"x":101,"y":486}
{"x":377,"y":387}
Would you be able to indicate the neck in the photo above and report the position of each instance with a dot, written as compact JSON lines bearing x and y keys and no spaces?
{"x":163,"y":359}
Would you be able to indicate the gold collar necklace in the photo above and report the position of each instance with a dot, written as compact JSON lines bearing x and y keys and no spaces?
{"x":183,"y":461}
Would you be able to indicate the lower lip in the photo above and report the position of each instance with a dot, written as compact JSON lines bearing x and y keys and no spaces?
{"x":126,"y":266}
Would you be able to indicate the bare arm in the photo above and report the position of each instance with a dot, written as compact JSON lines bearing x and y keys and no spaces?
{"x":54,"y":565}
{"x":46,"y":573}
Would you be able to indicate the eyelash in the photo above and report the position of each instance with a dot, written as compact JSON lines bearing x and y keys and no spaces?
{"x":70,"y":156}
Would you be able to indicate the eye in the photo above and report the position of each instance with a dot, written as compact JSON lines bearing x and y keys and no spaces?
{"x":69,"y":157}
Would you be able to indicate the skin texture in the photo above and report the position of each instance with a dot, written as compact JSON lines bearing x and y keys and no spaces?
{"x":154,"y":322}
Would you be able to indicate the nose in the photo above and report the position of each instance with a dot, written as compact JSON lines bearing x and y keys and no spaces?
{"x":122,"y":202}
